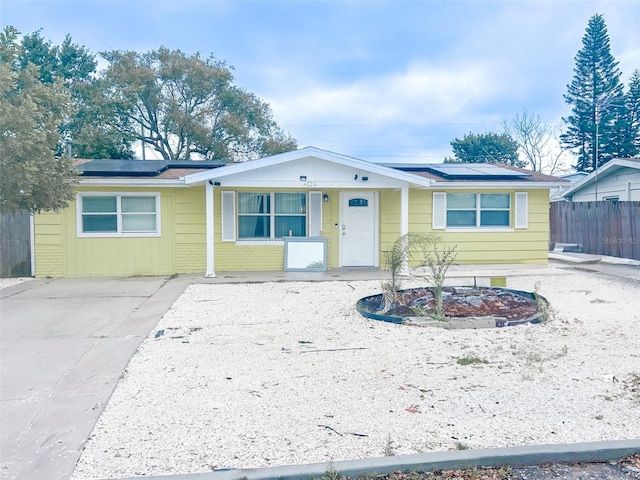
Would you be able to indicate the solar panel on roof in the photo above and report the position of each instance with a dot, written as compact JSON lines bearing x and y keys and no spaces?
{"x":196,"y":163}
{"x":123,"y":167}
{"x":459,"y":170}
{"x":474,"y":170}
{"x":140,"y":168}
{"x":405,"y":167}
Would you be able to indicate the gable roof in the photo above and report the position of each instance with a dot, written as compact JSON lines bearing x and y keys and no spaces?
{"x":302,"y":154}
{"x":390,"y":175}
{"x":612,"y":167}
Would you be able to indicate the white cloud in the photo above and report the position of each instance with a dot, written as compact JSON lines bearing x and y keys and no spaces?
{"x":420,"y":94}
{"x":403,"y":116}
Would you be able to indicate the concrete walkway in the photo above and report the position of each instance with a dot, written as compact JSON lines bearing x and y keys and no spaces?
{"x":618,"y":267}
{"x":64,"y":344}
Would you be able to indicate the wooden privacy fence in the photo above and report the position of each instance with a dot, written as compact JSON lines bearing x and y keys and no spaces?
{"x":15,"y":244}
{"x":599,"y":228}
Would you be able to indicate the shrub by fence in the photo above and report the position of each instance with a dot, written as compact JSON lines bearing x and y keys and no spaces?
{"x":15,"y":244}
{"x":599,"y":228}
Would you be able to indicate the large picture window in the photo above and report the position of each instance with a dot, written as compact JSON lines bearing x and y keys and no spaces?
{"x":474,"y":210}
{"x":118,"y":215}
{"x":272,"y":215}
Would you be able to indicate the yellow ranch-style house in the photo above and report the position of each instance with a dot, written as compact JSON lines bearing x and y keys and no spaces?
{"x":308,"y":209}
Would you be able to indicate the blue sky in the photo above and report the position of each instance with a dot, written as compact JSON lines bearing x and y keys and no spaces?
{"x":380,"y":80}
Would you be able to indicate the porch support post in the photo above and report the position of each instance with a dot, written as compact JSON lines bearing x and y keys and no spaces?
{"x":209,"y":212}
{"x":404,"y":221}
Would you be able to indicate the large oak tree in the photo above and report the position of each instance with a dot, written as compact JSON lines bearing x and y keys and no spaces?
{"x":187,"y":107}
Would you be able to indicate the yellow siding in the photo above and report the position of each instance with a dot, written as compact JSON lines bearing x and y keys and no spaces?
{"x":179,"y":249}
{"x":49,"y":260}
{"x":230,"y":256}
{"x":112,"y":256}
{"x":48,"y":246}
{"x":528,"y":245}
{"x":51,"y":231}
{"x":190,"y":230}
{"x":390,"y":217}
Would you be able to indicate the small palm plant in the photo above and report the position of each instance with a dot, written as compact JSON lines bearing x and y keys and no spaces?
{"x":396,"y":262}
{"x":438,"y":258}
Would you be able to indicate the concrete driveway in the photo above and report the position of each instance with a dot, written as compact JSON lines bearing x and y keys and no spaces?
{"x":64,"y":344}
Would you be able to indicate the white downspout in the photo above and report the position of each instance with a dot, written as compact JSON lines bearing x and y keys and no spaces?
{"x":404,"y":221}
{"x":209,"y":212}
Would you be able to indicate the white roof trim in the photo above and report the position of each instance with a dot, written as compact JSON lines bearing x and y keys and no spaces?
{"x":221,"y":172}
{"x":602,"y":171}
{"x":450,"y":185}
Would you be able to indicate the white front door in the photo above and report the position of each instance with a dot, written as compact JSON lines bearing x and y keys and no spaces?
{"x":358,"y":214}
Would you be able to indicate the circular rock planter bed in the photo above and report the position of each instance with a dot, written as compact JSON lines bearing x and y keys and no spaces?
{"x":464,"y":307}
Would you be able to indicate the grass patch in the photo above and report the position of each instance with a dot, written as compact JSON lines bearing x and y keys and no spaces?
{"x":331,"y":473}
{"x":470,"y":361}
{"x":388,"y":450}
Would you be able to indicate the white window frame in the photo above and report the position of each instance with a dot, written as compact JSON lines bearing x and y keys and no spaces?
{"x":229,"y":217}
{"x":478,"y":213}
{"x":119,"y":214}
{"x":272,"y":218}
{"x":442,"y":200}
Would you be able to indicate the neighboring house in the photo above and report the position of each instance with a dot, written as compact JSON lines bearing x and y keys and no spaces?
{"x":305,"y":209}
{"x":557,"y":194}
{"x":616,"y":180}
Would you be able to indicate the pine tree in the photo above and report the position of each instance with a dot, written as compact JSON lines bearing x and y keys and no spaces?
{"x":632,"y":102}
{"x":623,"y":140}
{"x":596,"y":97}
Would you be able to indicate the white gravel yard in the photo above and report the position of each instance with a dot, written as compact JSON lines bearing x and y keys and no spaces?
{"x":253,"y":375}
